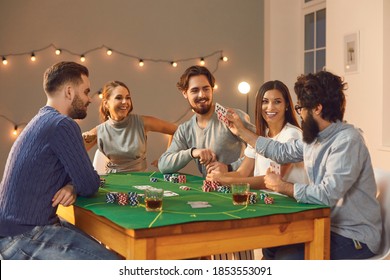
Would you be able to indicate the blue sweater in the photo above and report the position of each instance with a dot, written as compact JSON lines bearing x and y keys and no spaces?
{"x":47,"y":155}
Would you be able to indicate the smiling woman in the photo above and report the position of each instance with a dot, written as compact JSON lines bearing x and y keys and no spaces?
{"x":121,"y":136}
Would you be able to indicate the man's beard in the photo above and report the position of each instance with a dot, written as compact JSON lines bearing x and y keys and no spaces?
{"x":77,"y":111}
{"x":202,"y":110}
{"x":310,"y":128}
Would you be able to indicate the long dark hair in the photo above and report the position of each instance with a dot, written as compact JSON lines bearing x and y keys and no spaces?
{"x":290,"y":117}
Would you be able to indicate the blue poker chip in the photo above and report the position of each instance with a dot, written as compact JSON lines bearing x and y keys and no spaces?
{"x":111,"y":197}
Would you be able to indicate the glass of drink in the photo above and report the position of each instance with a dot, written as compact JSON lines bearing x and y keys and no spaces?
{"x":153,"y":199}
{"x":240,"y":193}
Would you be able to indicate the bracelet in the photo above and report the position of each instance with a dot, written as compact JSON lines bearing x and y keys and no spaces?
{"x":193,"y":148}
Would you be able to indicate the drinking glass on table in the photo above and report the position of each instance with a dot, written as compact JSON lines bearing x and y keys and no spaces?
{"x":240,"y":193}
{"x":153,"y":199}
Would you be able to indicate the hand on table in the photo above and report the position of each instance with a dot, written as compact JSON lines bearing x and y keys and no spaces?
{"x":65,"y":196}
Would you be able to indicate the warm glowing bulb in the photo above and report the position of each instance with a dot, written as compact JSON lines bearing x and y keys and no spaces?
{"x":15,"y":131}
{"x":109,"y":52}
{"x":141,"y":63}
{"x":244,"y":87}
{"x":202,"y":62}
{"x":101,"y":95}
{"x":5,"y":62}
{"x":215,"y":86}
{"x":58,"y":51}
{"x":224,"y":58}
{"x":174,"y":64}
{"x":33,"y":58}
{"x":82,"y":58}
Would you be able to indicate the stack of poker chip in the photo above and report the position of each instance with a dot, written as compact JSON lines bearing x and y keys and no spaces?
{"x":224,"y":189}
{"x":182,"y":178}
{"x":184,"y":188}
{"x":102,"y":182}
{"x":153,"y":179}
{"x":252,"y":198}
{"x":210,"y":186}
{"x":123,"y":198}
{"x":133,"y":198}
{"x":174,"y":178}
{"x":263,"y":195}
{"x":167,"y":177}
{"x":266,"y":198}
{"x":111,"y":197}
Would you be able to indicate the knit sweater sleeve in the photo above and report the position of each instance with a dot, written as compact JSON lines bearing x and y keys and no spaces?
{"x":67,"y":144}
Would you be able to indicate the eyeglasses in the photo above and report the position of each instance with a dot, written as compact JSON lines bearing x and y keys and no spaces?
{"x":298,"y":109}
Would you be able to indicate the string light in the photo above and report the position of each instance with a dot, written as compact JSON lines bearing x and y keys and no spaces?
{"x":16,"y":126}
{"x":110,"y":51}
{"x":224,"y":58}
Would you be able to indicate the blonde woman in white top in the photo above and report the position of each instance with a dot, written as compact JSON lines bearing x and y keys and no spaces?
{"x":275,"y":118}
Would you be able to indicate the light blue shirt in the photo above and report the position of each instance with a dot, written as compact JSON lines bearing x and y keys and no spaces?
{"x":341,"y":176}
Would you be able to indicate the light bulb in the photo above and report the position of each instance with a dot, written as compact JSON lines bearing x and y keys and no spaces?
{"x":224,"y":58}
{"x":58,"y":51}
{"x":141,"y":63}
{"x":244,"y":87}
{"x":82,"y":58}
{"x":109,"y":52}
{"x":202,"y":62}
{"x":174,"y":64}
{"x":215,"y":86}
{"x":5,"y":61}
{"x":15,"y":131}
{"x":33,"y":58}
{"x":100,"y":95}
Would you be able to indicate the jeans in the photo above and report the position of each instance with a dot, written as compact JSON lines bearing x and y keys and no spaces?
{"x":341,"y":248}
{"x":61,"y":241}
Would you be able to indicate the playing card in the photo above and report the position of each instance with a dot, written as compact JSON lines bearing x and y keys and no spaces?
{"x":275,"y":167}
{"x":221,"y":113}
{"x":199,"y":204}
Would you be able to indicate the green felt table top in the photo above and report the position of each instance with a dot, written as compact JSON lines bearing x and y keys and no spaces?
{"x":176,"y":209}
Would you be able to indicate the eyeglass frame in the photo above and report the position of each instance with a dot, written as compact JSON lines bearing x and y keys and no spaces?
{"x":298,"y":109}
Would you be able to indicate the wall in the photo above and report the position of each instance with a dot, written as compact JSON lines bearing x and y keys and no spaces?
{"x":170,"y":29}
{"x":368,"y":92}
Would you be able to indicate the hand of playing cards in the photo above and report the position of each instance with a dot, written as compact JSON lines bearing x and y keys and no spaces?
{"x":221,"y":113}
{"x":275,"y":167}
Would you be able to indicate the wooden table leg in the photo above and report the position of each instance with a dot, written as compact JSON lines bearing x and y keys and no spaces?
{"x":319,"y":247}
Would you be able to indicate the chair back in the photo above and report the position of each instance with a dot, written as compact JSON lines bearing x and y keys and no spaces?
{"x":382,"y":179}
{"x":100,"y":162}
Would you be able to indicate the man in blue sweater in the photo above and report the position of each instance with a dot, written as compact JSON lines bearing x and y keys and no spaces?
{"x":47,"y":166}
